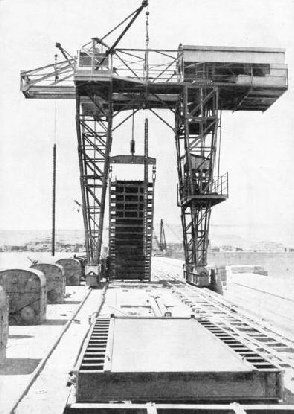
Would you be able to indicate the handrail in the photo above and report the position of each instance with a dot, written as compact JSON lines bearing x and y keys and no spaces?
{"x":219,"y":186}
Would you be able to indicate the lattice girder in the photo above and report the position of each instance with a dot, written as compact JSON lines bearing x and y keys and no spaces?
{"x":94,"y":131}
{"x":197,"y":123}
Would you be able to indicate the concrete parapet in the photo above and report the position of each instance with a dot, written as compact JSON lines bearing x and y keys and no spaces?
{"x":72,"y":270}
{"x":221,"y":278}
{"x":55,"y":280}
{"x":4,"y":311}
{"x":26,"y":289}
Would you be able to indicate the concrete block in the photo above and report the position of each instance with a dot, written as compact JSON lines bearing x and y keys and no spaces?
{"x":4,"y":311}
{"x":55,"y":280}
{"x":27,"y":292}
{"x":155,"y":359}
{"x":72,"y":270}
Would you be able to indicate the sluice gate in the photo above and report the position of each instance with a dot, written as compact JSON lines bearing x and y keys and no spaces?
{"x":130,"y":230}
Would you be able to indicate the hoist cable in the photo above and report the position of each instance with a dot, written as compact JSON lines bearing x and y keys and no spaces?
{"x":133,"y":134}
{"x":219,"y":145}
{"x":111,"y":48}
{"x":146,"y":63}
{"x":118,"y":25}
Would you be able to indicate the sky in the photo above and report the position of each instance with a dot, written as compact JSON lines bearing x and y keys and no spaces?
{"x":257,"y":148}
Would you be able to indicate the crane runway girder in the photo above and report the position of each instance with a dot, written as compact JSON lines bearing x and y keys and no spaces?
{"x":160,"y":95}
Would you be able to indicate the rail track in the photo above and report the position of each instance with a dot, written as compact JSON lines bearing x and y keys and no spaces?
{"x":232,"y":324}
{"x":226,"y":315}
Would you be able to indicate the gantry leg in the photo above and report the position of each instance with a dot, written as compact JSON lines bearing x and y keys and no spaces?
{"x":196,"y":143}
{"x":94,"y":131}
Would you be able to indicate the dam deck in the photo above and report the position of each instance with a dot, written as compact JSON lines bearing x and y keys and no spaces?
{"x":253,"y":348}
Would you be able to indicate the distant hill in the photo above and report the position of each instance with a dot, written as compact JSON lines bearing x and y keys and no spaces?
{"x":20,"y":237}
{"x":173,"y":233}
{"x":230,"y":240}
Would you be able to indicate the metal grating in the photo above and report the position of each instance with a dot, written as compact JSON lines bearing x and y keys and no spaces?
{"x":221,"y":317}
{"x":237,"y":346}
{"x":94,"y":357}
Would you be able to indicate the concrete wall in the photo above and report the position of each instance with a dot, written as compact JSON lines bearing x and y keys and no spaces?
{"x":279,"y":265}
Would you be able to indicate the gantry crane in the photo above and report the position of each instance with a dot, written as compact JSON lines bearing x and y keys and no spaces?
{"x":193,"y":83}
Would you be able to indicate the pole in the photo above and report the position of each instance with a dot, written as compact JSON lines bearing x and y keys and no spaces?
{"x":54,"y":180}
{"x":54,"y":199}
{"x":145,"y":186}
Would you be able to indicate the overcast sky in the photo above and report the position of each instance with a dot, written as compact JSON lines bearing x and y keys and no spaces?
{"x":257,"y":149}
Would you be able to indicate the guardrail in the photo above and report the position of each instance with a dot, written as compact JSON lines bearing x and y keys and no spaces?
{"x":219,"y":186}
{"x":137,"y":64}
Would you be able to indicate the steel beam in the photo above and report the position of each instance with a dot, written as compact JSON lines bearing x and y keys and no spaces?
{"x":196,"y":143}
{"x":94,"y":133}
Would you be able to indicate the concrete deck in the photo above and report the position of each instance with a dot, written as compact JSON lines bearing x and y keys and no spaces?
{"x":29,"y":345}
{"x":157,"y":345}
{"x":49,"y":392}
{"x":268,"y":298}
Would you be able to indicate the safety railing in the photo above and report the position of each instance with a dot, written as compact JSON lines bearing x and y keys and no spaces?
{"x":219,"y":186}
{"x":59,"y":73}
{"x":154,"y":65}
{"x":137,"y":64}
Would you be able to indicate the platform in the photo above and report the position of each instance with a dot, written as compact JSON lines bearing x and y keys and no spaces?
{"x":153,"y":359}
{"x":29,"y":346}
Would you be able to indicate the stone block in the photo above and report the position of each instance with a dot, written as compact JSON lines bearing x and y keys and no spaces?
{"x":55,"y":280}
{"x":27,"y":293}
{"x":4,"y":311}
{"x":72,"y":270}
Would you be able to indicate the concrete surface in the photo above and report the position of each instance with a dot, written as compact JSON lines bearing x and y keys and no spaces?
{"x":49,"y":392}
{"x":152,"y":345}
{"x":267,"y":298}
{"x":279,"y":265}
{"x":28,"y":345}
